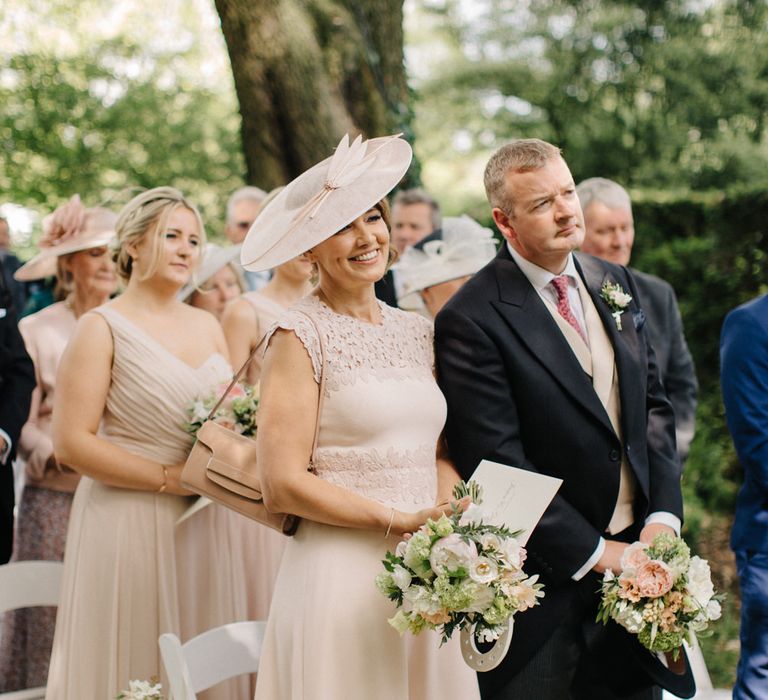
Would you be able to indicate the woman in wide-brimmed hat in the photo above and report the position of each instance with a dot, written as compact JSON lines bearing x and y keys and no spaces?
{"x":377,"y":475}
{"x":126,"y":379}
{"x":75,"y":249}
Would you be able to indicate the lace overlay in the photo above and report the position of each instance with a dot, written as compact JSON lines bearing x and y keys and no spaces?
{"x":399,"y":348}
{"x":389,"y":476}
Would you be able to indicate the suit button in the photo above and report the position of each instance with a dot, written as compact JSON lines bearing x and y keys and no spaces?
{"x":614,"y":455}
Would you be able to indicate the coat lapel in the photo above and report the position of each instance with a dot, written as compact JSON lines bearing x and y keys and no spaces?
{"x":529,"y":319}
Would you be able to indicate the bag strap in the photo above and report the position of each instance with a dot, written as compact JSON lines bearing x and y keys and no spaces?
{"x":239,"y":374}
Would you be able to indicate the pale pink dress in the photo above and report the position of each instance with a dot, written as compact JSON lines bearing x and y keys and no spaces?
{"x":119,"y":591}
{"x":327,"y":635}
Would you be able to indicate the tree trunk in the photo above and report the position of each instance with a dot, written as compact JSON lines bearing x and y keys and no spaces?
{"x":307,"y":71}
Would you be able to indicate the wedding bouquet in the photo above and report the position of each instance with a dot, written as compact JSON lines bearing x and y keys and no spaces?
{"x":141,"y":690}
{"x":663,"y":594}
{"x":237,"y":412}
{"x":458,"y":572}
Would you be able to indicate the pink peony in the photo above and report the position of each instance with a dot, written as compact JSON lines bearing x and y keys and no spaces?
{"x":654,"y":579}
{"x":634,"y":556}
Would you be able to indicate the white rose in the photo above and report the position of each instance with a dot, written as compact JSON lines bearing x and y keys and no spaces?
{"x":512,"y":553}
{"x":401,"y":577}
{"x":422,"y":600}
{"x":199,"y":412}
{"x":700,"y":581}
{"x":714,"y":610}
{"x":400,"y":549}
{"x":451,"y":553}
{"x":483,"y":570}
{"x":490,"y":542}
{"x":482,"y":600}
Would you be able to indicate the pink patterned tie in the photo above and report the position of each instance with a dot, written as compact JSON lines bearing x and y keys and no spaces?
{"x":563,"y":307}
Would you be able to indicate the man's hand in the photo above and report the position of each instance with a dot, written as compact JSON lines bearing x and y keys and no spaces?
{"x":652,"y":529}
{"x":611,"y":558}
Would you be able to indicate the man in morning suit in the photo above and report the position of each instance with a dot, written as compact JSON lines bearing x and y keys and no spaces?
{"x":744,"y":381}
{"x":17,"y":380}
{"x":609,"y":233}
{"x":538,"y":374}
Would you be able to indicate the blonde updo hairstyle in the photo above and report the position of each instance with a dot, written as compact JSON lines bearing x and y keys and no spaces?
{"x":147,"y":214}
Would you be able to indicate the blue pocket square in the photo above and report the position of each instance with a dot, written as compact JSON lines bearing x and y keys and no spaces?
{"x":638,"y":318}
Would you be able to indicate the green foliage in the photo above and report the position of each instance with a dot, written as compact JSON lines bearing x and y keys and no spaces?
{"x":109,"y":118}
{"x":655,"y":94}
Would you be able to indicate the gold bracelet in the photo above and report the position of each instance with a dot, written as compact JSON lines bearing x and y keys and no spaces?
{"x":165,"y":478}
{"x":391,"y":520}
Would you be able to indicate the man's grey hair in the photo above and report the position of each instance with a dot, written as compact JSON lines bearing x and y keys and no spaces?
{"x":600,"y":190}
{"x":519,"y":156}
{"x":418,"y":196}
{"x":253,"y":194}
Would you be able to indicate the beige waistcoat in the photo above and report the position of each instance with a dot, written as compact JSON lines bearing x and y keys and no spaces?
{"x":597,"y":360}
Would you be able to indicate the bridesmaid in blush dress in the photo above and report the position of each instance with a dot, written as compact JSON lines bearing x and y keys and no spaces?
{"x":377,"y":472}
{"x":124,"y":382}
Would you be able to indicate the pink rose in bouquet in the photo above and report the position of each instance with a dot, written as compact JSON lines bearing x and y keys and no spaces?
{"x":654,"y":579}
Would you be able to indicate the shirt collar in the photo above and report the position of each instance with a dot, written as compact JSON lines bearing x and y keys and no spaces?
{"x":538,"y":276}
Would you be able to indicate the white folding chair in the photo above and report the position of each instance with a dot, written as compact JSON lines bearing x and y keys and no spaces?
{"x":29,"y":584}
{"x":211,"y":657}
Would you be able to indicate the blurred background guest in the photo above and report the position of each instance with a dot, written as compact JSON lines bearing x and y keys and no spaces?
{"x":130,"y":371}
{"x":75,"y":246}
{"x":435,"y":271}
{"x":218,"y":281}
{"x":242,"y":208}
{"x":416,"y":219}
{"x":17,"y":380}
{"x":610,"y":235}
{"x":246,"y":320}
{"x":9,"y":263}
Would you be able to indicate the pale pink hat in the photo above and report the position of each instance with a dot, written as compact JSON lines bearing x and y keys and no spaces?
{"x":324,"y":199}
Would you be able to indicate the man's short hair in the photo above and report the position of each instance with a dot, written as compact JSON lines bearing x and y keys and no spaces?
{"x":418,"y":196}
{"x":520,"y":156}
{"x":603,"y":191}
{"x":253,"y":194}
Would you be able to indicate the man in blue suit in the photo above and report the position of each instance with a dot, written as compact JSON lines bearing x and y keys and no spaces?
{"x":744,"y":380}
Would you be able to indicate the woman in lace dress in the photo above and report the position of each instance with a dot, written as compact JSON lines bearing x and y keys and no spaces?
{"x":124,"y":382}
{"x":377,"y":475}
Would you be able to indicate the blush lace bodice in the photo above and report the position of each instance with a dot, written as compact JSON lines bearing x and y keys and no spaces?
{"x":383,"y":411}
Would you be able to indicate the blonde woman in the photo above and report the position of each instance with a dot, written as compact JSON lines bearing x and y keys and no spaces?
{"x":75,"y":248}
{"x":124,"y":382}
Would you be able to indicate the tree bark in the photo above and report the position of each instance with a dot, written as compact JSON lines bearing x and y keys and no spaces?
{"x":307,"y":71}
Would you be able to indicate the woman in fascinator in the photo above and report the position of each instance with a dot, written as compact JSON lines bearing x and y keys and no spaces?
{"x":376,"y":475}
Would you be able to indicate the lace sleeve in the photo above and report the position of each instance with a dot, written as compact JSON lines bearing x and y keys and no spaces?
{"x":306,"y":332}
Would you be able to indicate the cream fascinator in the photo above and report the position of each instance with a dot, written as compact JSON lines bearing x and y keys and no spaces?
{"x":466,"y":246}
{"x":324,"y":199}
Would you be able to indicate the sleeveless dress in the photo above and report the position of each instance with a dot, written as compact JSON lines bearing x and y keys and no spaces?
{"x":328,"y":635}
{"x":119,"y":588}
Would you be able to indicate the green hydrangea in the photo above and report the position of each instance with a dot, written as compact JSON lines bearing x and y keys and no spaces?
{"x":663,"y":641}
{"x":385,"y":583}
{"x":454,"y":596}
{"x":442,"y":527}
